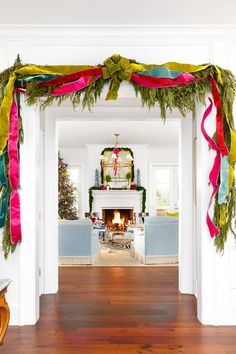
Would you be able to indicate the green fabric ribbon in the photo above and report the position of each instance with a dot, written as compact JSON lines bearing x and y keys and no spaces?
{"x":118,"y":69}
{"x":37,"y":78}
{"x":4,"y":196}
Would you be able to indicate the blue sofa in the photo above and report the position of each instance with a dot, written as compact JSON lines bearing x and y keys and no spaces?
{"x":78,"y":243}
{"x":158,"y":243}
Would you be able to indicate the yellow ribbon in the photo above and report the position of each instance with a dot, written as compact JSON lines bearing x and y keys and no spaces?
{"x":222,"y":214}
{"x":219,"y":74}
{"x":232,"y":153}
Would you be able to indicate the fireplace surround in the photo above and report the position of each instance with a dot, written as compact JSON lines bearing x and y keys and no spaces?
{"x":117,"y":199}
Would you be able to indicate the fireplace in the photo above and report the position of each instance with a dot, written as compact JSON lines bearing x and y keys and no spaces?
{"x":117,"y":219}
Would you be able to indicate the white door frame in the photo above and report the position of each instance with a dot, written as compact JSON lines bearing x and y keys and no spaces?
{"x":216,"y":44}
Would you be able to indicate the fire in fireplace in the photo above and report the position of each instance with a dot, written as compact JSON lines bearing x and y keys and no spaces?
{"x":117,"y":219}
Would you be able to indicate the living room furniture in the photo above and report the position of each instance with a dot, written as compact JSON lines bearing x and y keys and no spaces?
{"x":78,"y":242}
{"x":157,"y":243}
{"x":4,"y":309}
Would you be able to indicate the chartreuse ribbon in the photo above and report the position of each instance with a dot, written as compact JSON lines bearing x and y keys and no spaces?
{"x":118,"y":69}
{"x":5,"y":196}
{"x":27,"y":70}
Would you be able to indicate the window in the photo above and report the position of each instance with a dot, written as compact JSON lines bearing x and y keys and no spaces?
{"x":163,"y":187}
{"x":166,"y":187}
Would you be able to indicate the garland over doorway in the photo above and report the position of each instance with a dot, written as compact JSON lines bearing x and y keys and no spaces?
{"x":171,"y":85}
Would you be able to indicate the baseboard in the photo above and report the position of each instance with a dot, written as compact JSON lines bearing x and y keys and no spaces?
{"x":161,"y":260}
{"x":73,"y":260}
{"x":155,"y":259}
{"x":226,"y":316}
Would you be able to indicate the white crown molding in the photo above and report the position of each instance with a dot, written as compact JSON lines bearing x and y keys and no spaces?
{"x":118,"y":34}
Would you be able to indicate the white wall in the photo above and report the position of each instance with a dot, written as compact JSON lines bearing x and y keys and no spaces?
{"x":143,"y":156}
{"x":134,"y":12}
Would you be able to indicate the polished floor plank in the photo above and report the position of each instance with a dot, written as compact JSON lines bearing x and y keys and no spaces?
{"x":119,"y":310}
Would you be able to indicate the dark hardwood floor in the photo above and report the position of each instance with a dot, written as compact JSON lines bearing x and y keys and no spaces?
{"x":119,"y":310}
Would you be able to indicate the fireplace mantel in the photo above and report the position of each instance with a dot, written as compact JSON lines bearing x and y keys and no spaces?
{"x":120,"y":199}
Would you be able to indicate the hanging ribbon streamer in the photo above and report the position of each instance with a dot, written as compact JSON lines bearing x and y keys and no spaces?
{"x":74,"y":86}
{"x":224,"y":169}
{"x":5,"y":196}
{"x":224,"y":180}
{"x":63,"y":79}
{"x":214,"y":174}
{"x":190,"y":68}
{"x":15,"y":223}
{"x":154,"y":82}
{"x":35,"y":78}
{"x":161,"y":73}
{"x":219,"y":120}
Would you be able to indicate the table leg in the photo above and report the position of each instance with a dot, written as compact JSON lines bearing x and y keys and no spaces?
{"x":4,"y":318}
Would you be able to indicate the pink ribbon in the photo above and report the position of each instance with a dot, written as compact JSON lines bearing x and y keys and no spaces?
{"x":149,"y":81}
{"x":116,"y":152}
{"x":74,"y":86}
{"x":15,"y":223}
{"x":214,"y":173}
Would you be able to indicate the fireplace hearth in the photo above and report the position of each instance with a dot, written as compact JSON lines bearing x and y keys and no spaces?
{"x":117,"y":219}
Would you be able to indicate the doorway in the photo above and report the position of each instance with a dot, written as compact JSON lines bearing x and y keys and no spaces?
{"x":127,"y":109}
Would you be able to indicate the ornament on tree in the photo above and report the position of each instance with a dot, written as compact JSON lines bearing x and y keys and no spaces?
{"x":96,"y":178}
{"x":66,"y":193}
{"x":138,"y":178}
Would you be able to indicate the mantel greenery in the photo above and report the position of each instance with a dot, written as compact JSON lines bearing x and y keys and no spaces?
{"x":171,"y":85}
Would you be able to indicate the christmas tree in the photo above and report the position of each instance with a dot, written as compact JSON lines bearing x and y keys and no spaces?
{"x":66,"y":193}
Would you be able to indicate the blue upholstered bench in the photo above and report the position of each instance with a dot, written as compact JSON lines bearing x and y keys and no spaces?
{"x":78,"y":243}
{"x":158,"y":243}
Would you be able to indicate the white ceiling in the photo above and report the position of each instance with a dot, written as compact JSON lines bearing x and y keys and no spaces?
{"x":106,"y":12}
{"x":153,"y":133}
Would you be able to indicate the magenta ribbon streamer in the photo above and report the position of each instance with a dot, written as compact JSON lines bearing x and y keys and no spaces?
{"x":74,"y":86}
{"x":15,"y":223}
{"x":116,"y":152}
{"x":214,"y":173}
{"x":154,"y":82}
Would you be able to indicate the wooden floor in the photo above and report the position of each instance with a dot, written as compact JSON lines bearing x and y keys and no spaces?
{"x":119,"y":310}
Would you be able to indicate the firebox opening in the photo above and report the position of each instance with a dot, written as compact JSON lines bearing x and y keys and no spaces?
{"x":117,"y":219}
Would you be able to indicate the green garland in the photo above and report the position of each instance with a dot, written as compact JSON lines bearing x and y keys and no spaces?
{"x":111,"y":149}
{"x":140,"y":188}
{"x":184,"y":98}
{"x":91,"y":189}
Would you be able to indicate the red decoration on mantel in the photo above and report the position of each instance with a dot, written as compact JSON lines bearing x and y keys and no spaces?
{"x":133,"y":186}
{"x":102,"y":187}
